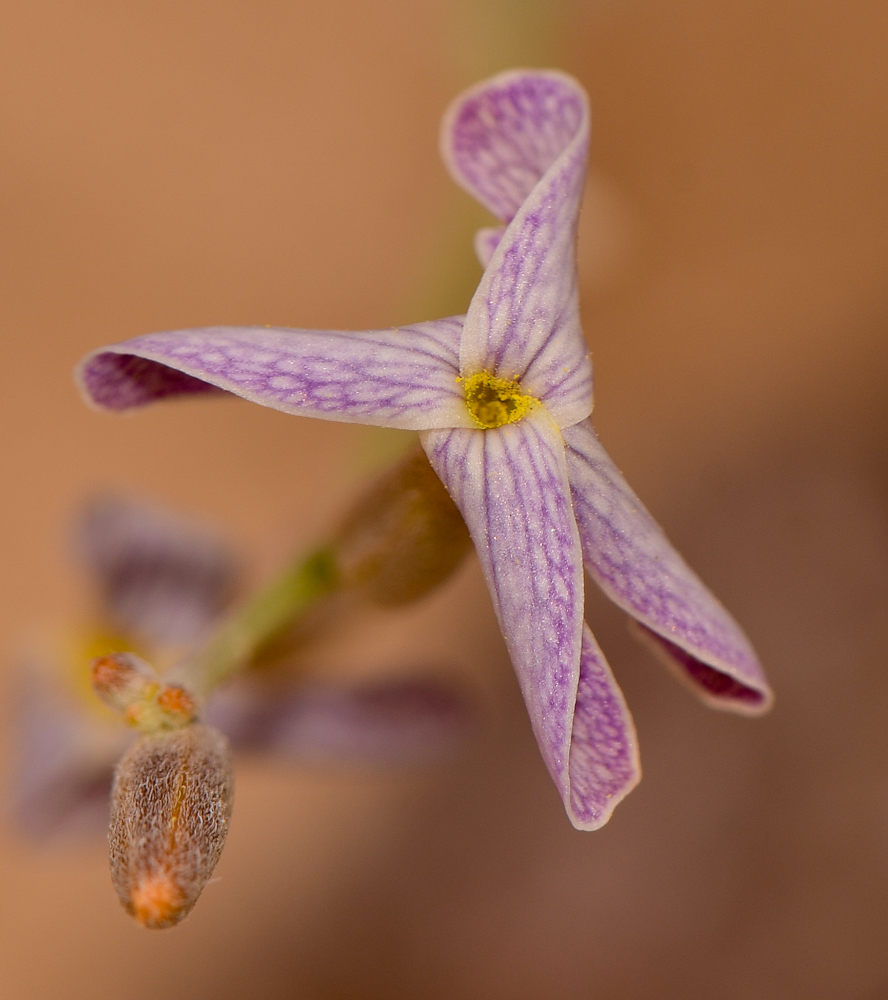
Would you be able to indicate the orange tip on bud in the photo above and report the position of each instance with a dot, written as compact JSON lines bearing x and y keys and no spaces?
{"x":156,"y":901}
{"x":176,"y":701}
{"x":131,"y":687}
{"x":121,"y":678}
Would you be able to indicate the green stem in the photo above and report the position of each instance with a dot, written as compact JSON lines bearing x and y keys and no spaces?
{"x":259,"y":621}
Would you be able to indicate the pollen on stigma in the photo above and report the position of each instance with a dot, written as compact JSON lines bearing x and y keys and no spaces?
{"x":494,"y":401}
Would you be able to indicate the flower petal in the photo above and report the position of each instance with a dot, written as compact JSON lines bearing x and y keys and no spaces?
{"x":63,"y":758}
{"x":519,"y":143}
{"x":511,"y":486}
{"x":486,"y":242}
{"x":499,"y":137}
{"x":404,"y":377}
{"x":400,"y":721}
{"x":633,"y":562}
{"x":163,"y":577}
{"x":604,"y":765}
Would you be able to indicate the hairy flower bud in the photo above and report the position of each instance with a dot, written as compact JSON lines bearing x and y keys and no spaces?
{"x":131,"y":687}
{"x":405,"y":538}
{"x":170,"y":809}
{"x":120,"y":679}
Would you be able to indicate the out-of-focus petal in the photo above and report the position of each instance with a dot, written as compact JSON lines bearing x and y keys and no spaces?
{"x":511,"y":486}
{"x":63,"y":762}
{"x":404,"y":377}
{"x":527,"y":134}
{"x":403,"y":721}
{"x":164,"y":578}
{"x":633,"y":562}
{"x":604,"y":765}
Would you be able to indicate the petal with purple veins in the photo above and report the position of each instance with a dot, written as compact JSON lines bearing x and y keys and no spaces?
{"x":604,"y":764}
{"x":404,"y":377}
{"x":633,"y":562}
{"x":523,"y":323}
{"x":498,"y":138}
{"x":511,"y":486}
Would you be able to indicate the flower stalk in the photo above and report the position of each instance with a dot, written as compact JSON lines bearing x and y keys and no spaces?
{"x":402,"y":539}
{"x":259,"y":621}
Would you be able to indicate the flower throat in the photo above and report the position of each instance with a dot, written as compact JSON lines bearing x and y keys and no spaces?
{"x":494,"y":401}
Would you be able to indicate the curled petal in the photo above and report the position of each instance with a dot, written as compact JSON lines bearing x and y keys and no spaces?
{"x":511,"y":486}
{"x":404,"y":377}
{"x":633,"y":562}
{"x":519,"y":142}
{"x":604,"y":765}
{"x":499,"y":137}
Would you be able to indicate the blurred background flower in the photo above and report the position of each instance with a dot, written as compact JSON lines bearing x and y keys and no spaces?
{"x":174,"y":165}
{"x":161,"y":584}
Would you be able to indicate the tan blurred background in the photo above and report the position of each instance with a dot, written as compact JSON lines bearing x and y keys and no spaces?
{"x":173,"y":164}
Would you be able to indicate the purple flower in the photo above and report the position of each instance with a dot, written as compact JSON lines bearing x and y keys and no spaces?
{"x":164,"y":580}
{"x":501,"y":397}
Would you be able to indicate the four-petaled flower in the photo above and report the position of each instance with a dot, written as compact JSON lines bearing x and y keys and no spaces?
{"x":501,"y":398}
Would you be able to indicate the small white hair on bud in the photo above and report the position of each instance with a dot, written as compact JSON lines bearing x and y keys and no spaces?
{"x":170,"y":811}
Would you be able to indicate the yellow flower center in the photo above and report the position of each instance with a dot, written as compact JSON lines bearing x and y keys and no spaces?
{"x":495,"y":401}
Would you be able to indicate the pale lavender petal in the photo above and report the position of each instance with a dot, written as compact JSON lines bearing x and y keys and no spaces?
{"x":523,"y":322}
{"x":630,"y":558}
{"x":499,"y":137}
{"x":404,"y":721}
{"x":486,"y":242}
{"x":604,"y":765}
{"x":404,"y":377}
{"x":163,"y":577}
{"x":511,"y":486}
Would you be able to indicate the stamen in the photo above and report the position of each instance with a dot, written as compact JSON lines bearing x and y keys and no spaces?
{"x":494,"y":401}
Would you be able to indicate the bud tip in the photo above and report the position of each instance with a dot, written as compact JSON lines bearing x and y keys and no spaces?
{"x":175,"y":701}
{"x":156,"y":900}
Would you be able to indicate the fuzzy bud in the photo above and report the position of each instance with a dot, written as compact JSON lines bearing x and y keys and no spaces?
{"x":170,"y":809}
{"x":120,"y":679}
{"x":405,"y":537}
